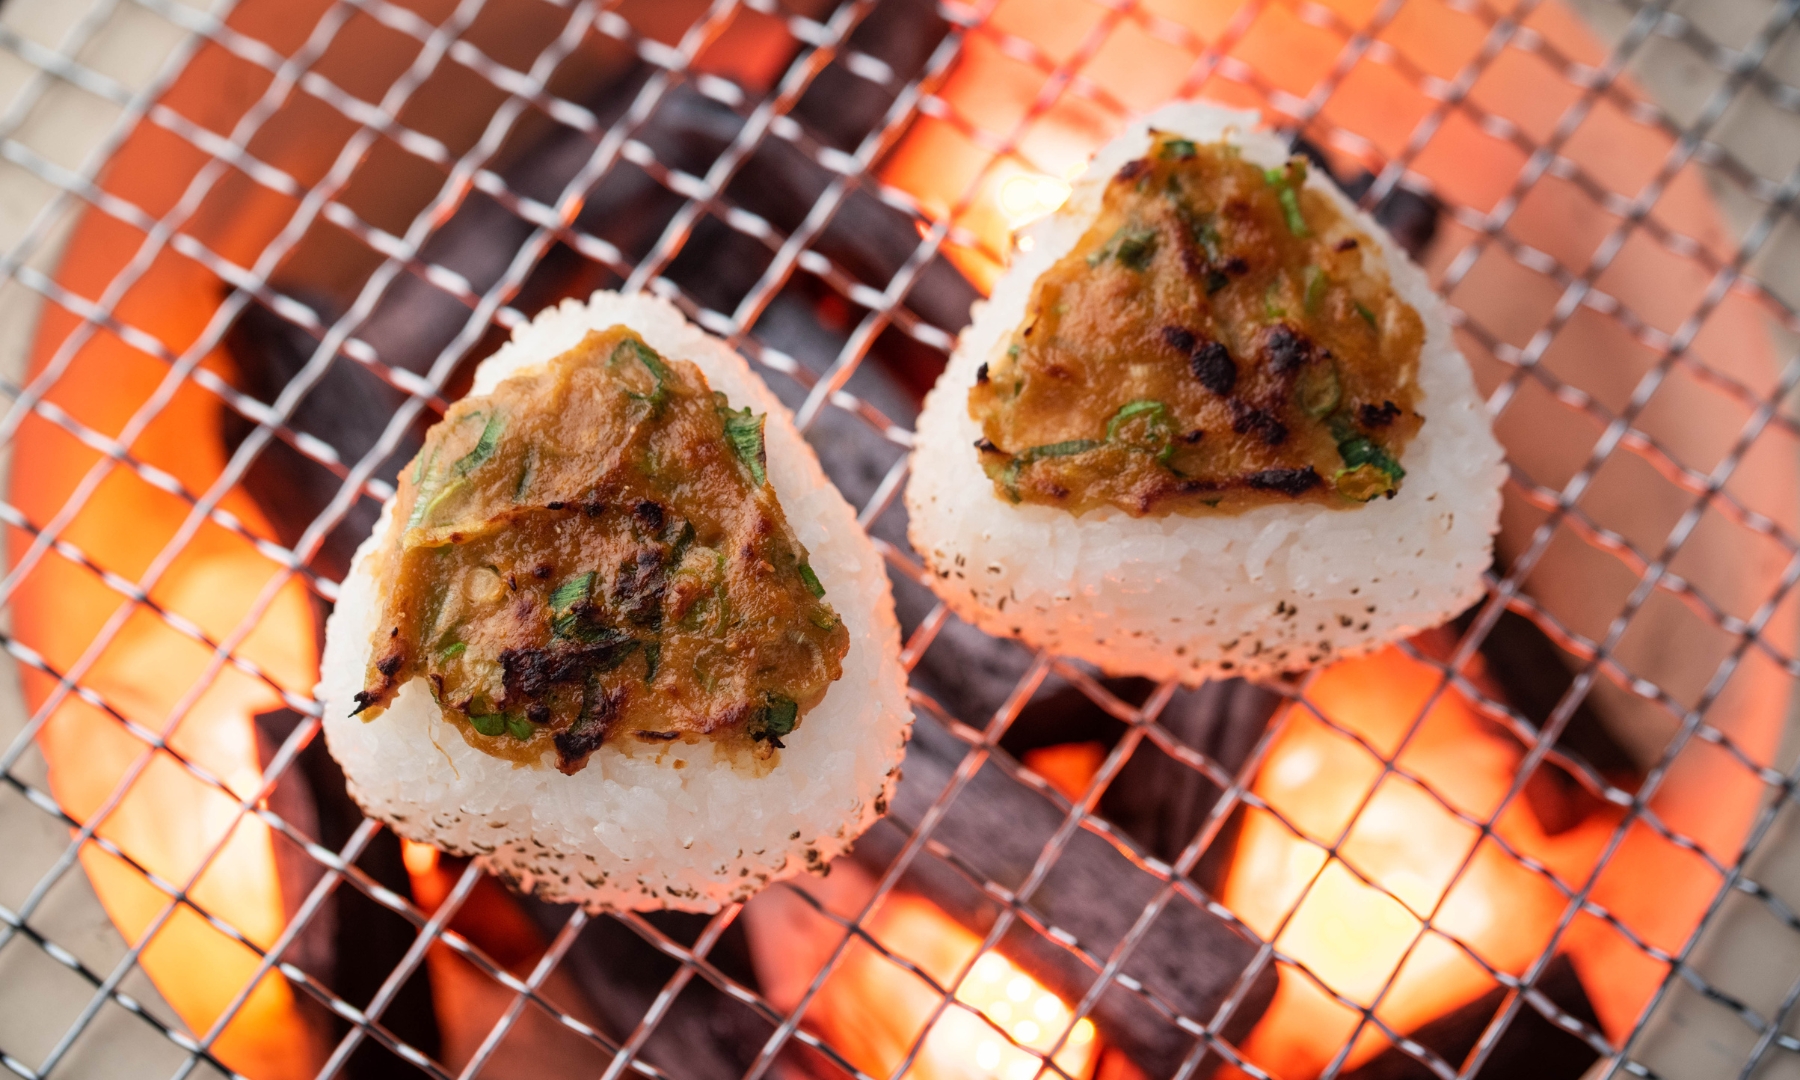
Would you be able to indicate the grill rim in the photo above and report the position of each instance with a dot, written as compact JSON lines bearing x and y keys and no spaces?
{"x":817,"y":42}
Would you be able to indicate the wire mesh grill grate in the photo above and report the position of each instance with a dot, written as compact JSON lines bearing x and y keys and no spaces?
{"x":1518,"y":309}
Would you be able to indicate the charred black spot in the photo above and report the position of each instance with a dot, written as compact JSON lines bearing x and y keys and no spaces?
{"x":387,"y":665}
{"x":594,"y":509}
{"x":1131,"y":170}
{"x":555,"y":505}
{"x":649,"y":514}
{"x":1193,"y":436}
{"x":1180,"y":338}
{"x":1377,"y":416}
{"x":541,"y":571}
{"x":1197,"y":487}
{"x":640,"y":585}
{"x":1286,"y":481}
{"x":364,"y":699}
{"x":1212,"y":364}
{"x":1235,"y":266}
{"x":658,"y":736}
{"x":1348,"y":243}
{"x":598,"y":711}
{"x":981,"y":375}
{"x":986,"y":445}
{"x":1248,"y":419}
{"x":1287,"y":350}
{"x":529,"y":673}
{"x":537,"y":712}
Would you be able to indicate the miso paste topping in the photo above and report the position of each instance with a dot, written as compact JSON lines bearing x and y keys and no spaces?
{"x":593,"y":553}
{"x":1216,"y":341}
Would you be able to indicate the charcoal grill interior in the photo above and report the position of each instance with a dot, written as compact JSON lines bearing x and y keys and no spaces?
{"x":308,"y":221}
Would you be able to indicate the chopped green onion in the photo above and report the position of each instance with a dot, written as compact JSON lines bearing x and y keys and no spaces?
{"x":1131,"y":245}
{"x":1013,"y":349}
{"x":777,"y":717}
{"x":653,"y":363}
{"x":1177,"y":149}
{"x":425,"y":481}
{"x":1368,"y":316}
{"x":1315,"y":288}
{"x":452,"y":650}
{"x":488,"y":723}
{"x":1363,"y":451}
{"x":523,"y":484}
{"x":812,"y":581}
{"x":484,"y":446}
{"x":1129,"y":410}
{"x":652,"y":660}
{"x":571,"y":592}
{"x":520,"y":728}
{"x":1062,"y":449}
{"x":1290,"y":208}
{"x":1208,"y":238}
{"x":745,"y":430}
{"x":1009,"y":476}
{"x":1286,"y":186}
{"x":1272,"y":310}
{"x":1318,"y":391}
{"x":823,"y":617}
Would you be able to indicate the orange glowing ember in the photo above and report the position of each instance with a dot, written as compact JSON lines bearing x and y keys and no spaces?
{"x":1355,"y":935}
{"x":873,"y":1011}
{"x":970,"y":1041}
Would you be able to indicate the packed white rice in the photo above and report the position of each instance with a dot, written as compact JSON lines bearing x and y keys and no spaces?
{"x":632,"y":829}
{"x":1276,"y":588}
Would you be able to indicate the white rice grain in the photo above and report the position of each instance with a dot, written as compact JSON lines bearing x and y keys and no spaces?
{"x":1272,"y":589}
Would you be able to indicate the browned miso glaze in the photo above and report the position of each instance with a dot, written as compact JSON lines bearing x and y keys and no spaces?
{"x":593,"y":552}
{"x":1215,"y":341}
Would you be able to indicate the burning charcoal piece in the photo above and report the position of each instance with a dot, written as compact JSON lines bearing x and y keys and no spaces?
{"x":705,"y":1035}
{"x":1531,"y":1047}
{"x":352,"y":943}
{"x":1532,"y":677}
{"x":994,"y":832}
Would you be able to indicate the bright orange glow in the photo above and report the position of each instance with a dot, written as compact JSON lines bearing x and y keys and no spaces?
{"x":1353,"y":936}
{"x":965,"y":1043}
{"x":420,"y":859}
{"x":169,"y":819}
{"x":1024,"y":198}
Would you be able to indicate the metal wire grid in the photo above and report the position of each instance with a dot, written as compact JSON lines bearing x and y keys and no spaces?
{"x":821,"y":44}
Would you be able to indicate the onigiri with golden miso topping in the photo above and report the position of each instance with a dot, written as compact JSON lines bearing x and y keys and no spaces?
{"x":615,"y":634}
{"x":1210,"y":423}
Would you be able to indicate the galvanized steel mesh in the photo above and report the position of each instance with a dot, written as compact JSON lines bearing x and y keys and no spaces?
{"x":1212,"y":38}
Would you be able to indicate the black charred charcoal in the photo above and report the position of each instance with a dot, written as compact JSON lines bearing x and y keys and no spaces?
{"x":1531,"y":1047}
{"x":351,"y":943}
{"x":994,"y":832}
{"x":1409,"y":217}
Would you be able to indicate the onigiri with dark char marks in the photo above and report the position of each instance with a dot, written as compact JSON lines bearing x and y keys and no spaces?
{"x":615,"y":635}
{"x":1210,"y":423}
